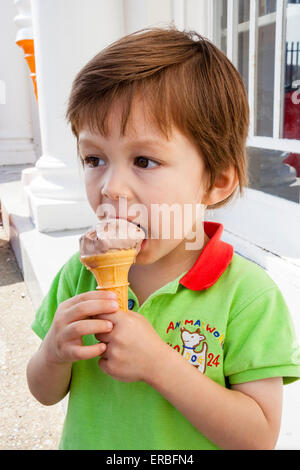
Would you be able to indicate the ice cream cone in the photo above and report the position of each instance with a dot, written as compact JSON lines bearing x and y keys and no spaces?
{"x":111,"y":272}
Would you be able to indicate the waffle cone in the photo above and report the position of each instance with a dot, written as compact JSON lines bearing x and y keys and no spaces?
{"x":111,"y":272}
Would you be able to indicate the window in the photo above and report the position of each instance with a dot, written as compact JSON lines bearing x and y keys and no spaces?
{"x":262,"y":39}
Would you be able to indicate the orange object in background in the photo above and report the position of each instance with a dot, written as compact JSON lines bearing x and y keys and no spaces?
{"x":28,"y":48}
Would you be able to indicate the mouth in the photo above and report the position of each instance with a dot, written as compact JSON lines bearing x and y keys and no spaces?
{"x":133,"y":222}
{"x":143,"y":243}
{"x":142,"y":228}
{"x":139,"y":226}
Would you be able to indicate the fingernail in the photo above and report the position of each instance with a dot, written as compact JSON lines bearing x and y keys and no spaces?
{"x":114,"y":304}
{"x":109,"y":325}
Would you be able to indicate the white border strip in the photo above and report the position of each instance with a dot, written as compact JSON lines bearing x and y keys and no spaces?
{"x":179,"y":13}
{"x":252,"y":81}
{"x":279,"y":69}
{"x":284,"y":145}
{"x":232,"y":30}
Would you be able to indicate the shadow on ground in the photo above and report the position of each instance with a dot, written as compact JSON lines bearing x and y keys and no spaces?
{"x":9,"y":270}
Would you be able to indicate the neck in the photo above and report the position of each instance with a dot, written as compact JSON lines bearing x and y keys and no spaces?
{"x":146,"y":279}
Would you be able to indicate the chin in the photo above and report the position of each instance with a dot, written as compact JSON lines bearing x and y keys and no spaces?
{"x":154,"y":250}
{"x":145,"y":258}
{"x":149,"y":253}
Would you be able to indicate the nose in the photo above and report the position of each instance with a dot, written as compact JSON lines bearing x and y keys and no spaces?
{"x":115,"y":186}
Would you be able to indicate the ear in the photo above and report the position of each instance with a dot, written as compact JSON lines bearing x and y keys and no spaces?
{"x":224,"y":185}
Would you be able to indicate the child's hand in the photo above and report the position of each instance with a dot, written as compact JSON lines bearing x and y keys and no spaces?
{"x":74,"y":319}
{"x":132,"y":347}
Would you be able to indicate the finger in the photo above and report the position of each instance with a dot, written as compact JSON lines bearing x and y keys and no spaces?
{"x":81,"y":328}
{"x":114,"y":317}
{"x":103,"y":365}
{"x":86,"y":352}
{"x":104,"y":337}
{"x":91,"y":308}
{"x":104,"y":355}
{"x":90,"y":295}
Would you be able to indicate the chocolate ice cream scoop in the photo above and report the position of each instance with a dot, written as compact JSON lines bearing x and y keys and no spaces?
{"x":108,"y":251}
{"x":111,"y":234}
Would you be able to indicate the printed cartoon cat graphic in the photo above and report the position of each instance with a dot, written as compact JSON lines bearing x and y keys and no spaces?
{"x":190,"y":341}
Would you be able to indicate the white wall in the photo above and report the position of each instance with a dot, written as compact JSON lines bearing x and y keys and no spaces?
{"x":16,"y":119}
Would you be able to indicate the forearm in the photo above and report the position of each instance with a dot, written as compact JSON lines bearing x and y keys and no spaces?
{"x":230,"y":419}
{"x":47,"y":381}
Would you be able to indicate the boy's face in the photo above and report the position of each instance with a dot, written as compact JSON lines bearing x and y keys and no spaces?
{"x":141,"y":169}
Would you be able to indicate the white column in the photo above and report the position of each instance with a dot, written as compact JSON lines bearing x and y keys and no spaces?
{"x":23,"y":21}
{"x":16,"y":126}
{"x":66,"y":35}
{"x":145,"y":13}
{"x":184,"y":14}
{"x":200,"y":17}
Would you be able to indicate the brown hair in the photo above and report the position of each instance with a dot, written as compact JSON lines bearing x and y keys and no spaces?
{"x":187,"y":82}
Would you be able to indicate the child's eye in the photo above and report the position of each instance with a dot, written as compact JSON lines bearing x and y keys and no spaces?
{"x":144,"y":162}
{"x":93,"y":162}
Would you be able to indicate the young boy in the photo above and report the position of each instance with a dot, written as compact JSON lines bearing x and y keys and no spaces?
{"x":198,"y":362}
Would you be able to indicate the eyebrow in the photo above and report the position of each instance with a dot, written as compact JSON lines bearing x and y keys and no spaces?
{"x":155,"y":142}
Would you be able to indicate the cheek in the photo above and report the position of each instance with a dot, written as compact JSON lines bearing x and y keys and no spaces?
{"x":189,"y":191}
{"x":91,"y":191}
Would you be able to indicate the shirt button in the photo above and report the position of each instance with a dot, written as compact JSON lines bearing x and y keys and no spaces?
{"x":130,"y":304}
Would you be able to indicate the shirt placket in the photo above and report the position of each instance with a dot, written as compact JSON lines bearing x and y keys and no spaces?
{"x":170,"y":288}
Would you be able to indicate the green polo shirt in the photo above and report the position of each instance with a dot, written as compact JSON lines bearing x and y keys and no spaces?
{"x":226,"y":316}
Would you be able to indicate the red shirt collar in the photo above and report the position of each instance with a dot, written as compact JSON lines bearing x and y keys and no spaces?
{"x":212,"y":261}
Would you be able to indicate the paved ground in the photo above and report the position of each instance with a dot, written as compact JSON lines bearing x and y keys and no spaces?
{"x":24,"y":423}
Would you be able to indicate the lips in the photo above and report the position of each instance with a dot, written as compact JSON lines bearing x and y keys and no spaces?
{"x":142,"y":228}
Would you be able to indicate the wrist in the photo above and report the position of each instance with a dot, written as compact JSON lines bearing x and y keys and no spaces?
{"x":48,"y":380}
{"x":159,"y":364}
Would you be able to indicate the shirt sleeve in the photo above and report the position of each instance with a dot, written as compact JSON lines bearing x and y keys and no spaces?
{"x":59,"y":291}
{"x":261,"y":342}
